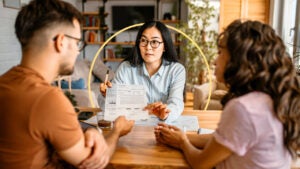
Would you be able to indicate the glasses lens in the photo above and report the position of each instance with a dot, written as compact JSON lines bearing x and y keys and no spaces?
{"x":81,"y":45}
{"x":143,"y":42}
{"x":154,"y":43}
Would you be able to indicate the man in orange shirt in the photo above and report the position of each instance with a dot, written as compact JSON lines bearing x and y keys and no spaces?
{"x":37,"y":120}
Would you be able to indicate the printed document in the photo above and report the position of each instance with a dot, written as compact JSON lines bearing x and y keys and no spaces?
{"x":127,"y":100}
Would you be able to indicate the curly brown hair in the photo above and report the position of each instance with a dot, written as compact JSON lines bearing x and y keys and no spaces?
{"x":259,"y":62}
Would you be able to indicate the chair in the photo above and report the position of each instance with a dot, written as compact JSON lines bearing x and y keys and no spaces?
{"x":201,"y":94}
{"x":81,"y":95}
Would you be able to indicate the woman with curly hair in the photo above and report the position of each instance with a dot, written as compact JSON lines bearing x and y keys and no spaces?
{"x":260,"y":123}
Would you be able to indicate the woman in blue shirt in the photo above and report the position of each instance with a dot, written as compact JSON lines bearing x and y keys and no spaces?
{"x":154,"y":64}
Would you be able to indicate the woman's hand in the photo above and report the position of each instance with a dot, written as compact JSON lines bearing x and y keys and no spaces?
{"x":103,"y":87}
{"x":170,"y":135}
{"x":158,"y":109}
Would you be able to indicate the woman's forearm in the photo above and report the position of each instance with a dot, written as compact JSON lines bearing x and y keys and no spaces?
{"x":199,"y":140}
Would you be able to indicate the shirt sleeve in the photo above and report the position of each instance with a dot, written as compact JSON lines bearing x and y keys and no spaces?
{"x":56,"y":121}
{"x":175,"y":97}
{"x":235,"y":129}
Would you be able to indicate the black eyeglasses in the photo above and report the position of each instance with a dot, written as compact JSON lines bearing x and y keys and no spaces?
{"x":153,"y":43}
{"x":80,"y":44}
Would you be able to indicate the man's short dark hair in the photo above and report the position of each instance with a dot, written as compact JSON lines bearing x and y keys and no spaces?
{"x":40,"y":14}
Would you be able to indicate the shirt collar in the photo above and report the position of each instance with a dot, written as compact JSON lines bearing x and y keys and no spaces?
{"x":27,"y":70}
{"x":160,"y":70}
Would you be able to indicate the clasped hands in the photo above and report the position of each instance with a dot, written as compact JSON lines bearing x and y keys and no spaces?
{"x":170,"y":135}
{"x":159,"y":109}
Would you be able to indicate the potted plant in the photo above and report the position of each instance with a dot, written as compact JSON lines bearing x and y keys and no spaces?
{"x":71,"y":97}
{"x":118,"y":51}
{"x":198,"y":29}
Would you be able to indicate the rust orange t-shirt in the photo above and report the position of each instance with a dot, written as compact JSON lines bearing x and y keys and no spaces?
{"x":34,"y":116}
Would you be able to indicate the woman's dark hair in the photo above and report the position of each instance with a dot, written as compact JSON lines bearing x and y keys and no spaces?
{"x":169,"y":54}
{"x":259,"y":62}
{"x":40,"y":14}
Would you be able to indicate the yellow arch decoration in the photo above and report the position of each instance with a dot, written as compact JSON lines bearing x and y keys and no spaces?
{"x":137,"y":25}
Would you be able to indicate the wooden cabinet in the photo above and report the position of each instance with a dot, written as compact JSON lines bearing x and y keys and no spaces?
{"x":243,"y":9}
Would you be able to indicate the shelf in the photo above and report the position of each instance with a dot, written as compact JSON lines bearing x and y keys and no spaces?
{"x":96,"y":28}
{"x":111,"y":43}
{"x":94,"y":13}
{"x":120,"y":43}
{"x":113,"y":60}
{"x":93,"y":29}
{"x":170,"y":21}
{"x":90,"y":28}
{"x":90,"y":13}
{"x":105,"y":28}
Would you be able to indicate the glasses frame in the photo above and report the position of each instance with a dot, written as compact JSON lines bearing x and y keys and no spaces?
{"x":80,"y":44}
{"x":151,"y":43}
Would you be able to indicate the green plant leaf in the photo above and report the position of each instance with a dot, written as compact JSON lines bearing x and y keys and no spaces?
{"x":199,"y":19}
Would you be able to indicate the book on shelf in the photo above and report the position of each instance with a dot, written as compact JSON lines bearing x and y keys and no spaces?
{"x":92,"y":36}
{"x":109,"y":53}
{"x":91,"y":21}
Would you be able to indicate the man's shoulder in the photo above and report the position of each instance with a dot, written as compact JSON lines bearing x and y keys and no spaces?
{"x":7,"y":73}
{"x":23,"y":80}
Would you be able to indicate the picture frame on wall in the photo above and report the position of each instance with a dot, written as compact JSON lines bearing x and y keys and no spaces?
{"x":16,"y":4}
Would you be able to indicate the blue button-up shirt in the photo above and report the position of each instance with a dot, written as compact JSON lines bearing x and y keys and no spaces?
{"x":166,"y":85}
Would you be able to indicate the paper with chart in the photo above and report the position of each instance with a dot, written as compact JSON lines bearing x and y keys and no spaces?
{"x":127,"y":100}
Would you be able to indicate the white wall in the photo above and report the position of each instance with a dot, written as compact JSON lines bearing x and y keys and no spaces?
{"x":10,"y":50}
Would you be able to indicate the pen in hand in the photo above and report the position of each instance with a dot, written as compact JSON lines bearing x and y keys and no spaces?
{"x":106,"y":76}
{"x":104,"y":85}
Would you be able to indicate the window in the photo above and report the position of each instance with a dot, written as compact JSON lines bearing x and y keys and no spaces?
{"x":285,"y":20}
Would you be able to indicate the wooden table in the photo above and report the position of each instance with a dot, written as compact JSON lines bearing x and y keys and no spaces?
{"x":139,"y":149}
